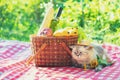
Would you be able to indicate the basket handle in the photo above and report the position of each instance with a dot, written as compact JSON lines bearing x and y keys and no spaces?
{"x":32,"y":57}
{"x":66,"y":48}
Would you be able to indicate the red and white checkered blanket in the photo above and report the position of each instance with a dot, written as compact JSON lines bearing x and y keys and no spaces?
{"x":14,"y":53}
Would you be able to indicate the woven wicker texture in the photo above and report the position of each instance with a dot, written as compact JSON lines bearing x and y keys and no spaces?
{"x":52,"y":51}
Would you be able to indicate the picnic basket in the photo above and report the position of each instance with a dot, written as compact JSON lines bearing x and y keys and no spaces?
{"x":52,"y":51}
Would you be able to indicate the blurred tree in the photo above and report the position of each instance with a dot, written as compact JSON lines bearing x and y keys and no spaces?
{"x":99,"y":19}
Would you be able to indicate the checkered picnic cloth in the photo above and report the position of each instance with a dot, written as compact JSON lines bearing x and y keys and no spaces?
{"x":13,"y":55}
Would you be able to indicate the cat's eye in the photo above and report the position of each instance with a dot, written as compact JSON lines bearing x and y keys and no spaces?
{"x":80,"y":53}
{"x":76,"y":53}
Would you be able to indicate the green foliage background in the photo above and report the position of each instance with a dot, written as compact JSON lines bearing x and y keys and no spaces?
{"x":100,"y":19}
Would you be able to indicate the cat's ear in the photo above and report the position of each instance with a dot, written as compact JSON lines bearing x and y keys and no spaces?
{"x":72,"y":46}
{"x":89,"y":47}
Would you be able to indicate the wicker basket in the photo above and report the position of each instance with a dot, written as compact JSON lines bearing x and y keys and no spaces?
{"x":52,"y":51}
